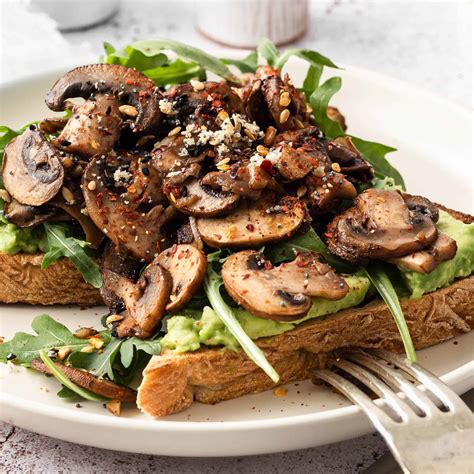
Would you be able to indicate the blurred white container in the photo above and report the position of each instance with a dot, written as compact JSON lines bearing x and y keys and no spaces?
{"x":241,"y":23}
{"x":76,"y":14}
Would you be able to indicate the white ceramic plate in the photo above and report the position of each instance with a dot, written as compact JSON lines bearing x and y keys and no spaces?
{"x":434,"y":142}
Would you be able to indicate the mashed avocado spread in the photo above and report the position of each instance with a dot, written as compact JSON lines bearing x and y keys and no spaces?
{"x":13,"y":239}
{"x":462,"y":265}
{"x":188,"y":332}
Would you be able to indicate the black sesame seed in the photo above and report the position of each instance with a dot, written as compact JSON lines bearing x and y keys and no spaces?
{"x":11,"y":356}
{"x":32,"y":127}
{"x":146,"y":171}
{"x":78,"y":405}
{"x":65,"y":142}
{"x":52,"y":353}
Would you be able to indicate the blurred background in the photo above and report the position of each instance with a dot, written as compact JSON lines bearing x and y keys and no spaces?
{"x":427,"y":43}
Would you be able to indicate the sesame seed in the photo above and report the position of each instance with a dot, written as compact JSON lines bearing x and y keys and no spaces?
{"x":91,"y":185}
{"x":67,"y":195}
{"x":336,"y":167}
{"x":262,"y":150}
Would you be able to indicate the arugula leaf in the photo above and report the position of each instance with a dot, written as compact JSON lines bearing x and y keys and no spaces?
{"x":268,"y":51}
{"x":311,"y":81}
{"x":131,"y":346}
{"x":49,"y":334}
{"x":58,"y":374}
{"x":131,"y":57}
{"x":313,"y":57}
{"x":175,"y":73}
{"x":206,"y":61}
{"x":98,"y":363}
{"x":212,"y":285}
{"x":319,"y":101}
{"x":383,"y":284}
{"x":68,"y":394}
{"x":375,"y":153}
{"x":248,"y":64}
{"x":310,"y":241}
{"x":59,"y":244}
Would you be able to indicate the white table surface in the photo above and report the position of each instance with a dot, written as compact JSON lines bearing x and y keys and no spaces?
{"x":427,"y":43}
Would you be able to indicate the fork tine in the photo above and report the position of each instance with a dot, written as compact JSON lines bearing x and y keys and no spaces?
{"x":377,"y":416}
{"x":380,"y":388}
{"x":393,"y":378}
{"x":429,"y":380}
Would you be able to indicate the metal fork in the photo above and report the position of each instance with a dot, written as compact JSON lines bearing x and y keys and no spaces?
{"x":424,"y":436}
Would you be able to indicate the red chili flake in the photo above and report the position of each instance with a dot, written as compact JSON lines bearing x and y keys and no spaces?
{"x":246,"y":276}
{"x":129,"y":82}
{"x":267,"y":166}
{"x":268,"y":265}
{"x":250,"y":227}
{"x":218,"y":236}
{"x":329,"y":235}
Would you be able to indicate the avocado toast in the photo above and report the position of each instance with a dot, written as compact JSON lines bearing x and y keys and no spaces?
{"x":238,"y":235}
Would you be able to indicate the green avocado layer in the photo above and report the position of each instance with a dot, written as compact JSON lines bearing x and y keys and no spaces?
{"x":462,"y":265}
{"x":188,"y":332}
{"x":13,"y":239}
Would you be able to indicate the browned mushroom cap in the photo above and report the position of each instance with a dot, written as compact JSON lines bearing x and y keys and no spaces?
{"x":275,"y":101}
{"x":90,"y":382}
{"x":32,"y":169}
{"x":28,"y":216}
{"x":425,"y":261}
{"x":94,"y":127}
{"x":254,"y":224}
{"x":145,"y":300}
{"x":195,"y":199}
{"x":123,"y":198}
{"x":128,"y":85}
{"x":281,"y":293}
{"x":200,"y":104}
{"x":379,"y":226}
{"x":187,"y":267}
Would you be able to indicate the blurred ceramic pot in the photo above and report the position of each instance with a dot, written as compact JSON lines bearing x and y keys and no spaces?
{"x":76,"y":14}
{"x":241,"y":23}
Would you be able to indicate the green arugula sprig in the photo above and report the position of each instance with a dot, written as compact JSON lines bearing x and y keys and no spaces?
{"x":68,"y":384}
{"x":120,"y":359}
{"x":61,"y":244}
{"x":50,"y":334}
{"x":147,"y":56}
{"x":212,"y":287}
{"x":379,"y":278}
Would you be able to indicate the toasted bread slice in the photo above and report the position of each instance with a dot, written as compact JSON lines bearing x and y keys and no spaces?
{"x":23,"y":281}
{"x":171,"y":381}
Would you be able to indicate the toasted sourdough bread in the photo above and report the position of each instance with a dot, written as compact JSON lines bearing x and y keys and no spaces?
{"x":171,"y":381}
{"x":23,"y":281}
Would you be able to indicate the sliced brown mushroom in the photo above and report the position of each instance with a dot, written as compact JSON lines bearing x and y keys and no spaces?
{"x":123,"y":198}
{"x":275,"y":101}
{"x":195,"y":199}
{"x":90,"y":382}
{"x":28,"y":216}
{"x":32,"y":169}
{"x":200,"y":103}
{"x":425,"y":261}
{"x":284,"y":292}
{"x":145,"y":301}
{"x":380,"y":225}
{"x":254,"y":223}
{"x":187,"y":267}
{"x":94,"y":127}
{"x":127,"y":85}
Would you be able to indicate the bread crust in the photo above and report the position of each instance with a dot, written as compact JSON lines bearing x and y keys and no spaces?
{"x":23,"y":281}
{"x":172,"y":381}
